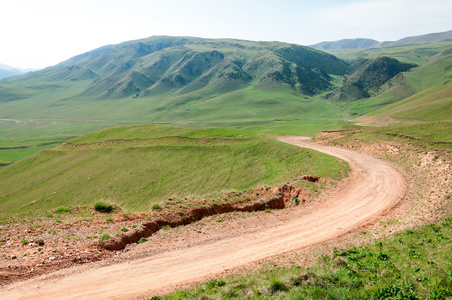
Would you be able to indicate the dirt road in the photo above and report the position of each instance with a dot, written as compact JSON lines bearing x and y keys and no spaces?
{"x":374,"y":187}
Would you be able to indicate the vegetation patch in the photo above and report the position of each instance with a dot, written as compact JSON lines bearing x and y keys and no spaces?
{"x":103,"y":207}
{"x":414,"y":264}
{"x":62,"y":209}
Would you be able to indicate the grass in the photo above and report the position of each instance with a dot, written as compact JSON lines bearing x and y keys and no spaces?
{"x":414,"y":264}
{"x":156,"y":207}
{"x":142,"y":240}
{"x":22,"y":138}
{"x":147,"y":162}
{"x":102,"y":206}
{"x":422,"y":137}
{"x":62,"y":209}
{"x":434,"y":104}
{"x":104,"y":237}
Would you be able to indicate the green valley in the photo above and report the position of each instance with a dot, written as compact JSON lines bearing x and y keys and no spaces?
{"x":180,"y":127}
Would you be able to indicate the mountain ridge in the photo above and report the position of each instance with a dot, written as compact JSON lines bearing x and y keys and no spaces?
{"x":161,"y":64}
{"x":362,"y":43}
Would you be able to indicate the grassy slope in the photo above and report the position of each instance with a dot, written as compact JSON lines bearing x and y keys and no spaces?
{"x":152,"y":164}
{"x":409,"y":265}
{"x":414,"y":264}
{"x":434,"y":104}
{"x":434,"y":73}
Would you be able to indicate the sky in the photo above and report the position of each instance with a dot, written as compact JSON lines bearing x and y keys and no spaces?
{"x":36,"y":34}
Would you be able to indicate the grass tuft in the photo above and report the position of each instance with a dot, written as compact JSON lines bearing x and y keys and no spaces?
{"x":103,"y":207}
{"x":62,"y":209}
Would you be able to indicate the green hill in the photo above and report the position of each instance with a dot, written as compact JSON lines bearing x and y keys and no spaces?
{"x":135,"y":166}
{"x":367,"y":76}
{"x":434,"y":73}
{"x":434,"y":104}
{"x":160,"y":65}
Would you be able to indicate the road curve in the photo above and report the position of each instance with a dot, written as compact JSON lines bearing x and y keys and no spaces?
{"x":374,"y":187}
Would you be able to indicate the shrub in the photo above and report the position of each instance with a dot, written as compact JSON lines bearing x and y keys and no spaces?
{"x":62,"y":209}
{"x":104,"y":237}
{"x":213,"y":283}
{"x":103,"y":207}
{"x":156,"y":207}
{"x":142,"y":240}
{"x":123,"y":229}
{"x":24,"y":242}
{"x":277,"y":285}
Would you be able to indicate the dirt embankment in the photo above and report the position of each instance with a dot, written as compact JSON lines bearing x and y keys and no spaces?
{"x":57,"y":245}
{"x":373,"y":188}
{"x":277,"y":198}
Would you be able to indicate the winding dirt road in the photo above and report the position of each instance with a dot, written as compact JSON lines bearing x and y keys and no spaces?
{"x":374,"y":188}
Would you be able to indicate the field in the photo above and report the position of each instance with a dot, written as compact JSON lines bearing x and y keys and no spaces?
{"x":137,"y":166}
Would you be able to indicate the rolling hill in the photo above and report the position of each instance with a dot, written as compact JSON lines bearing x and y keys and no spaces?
{"x":434,"y":104}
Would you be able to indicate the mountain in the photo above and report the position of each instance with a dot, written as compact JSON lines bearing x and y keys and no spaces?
{"x":361,"y":43}
{"x":8,"y":71}
{"x":188,"y":81}
{"x":425,"y":39}
{"x":367,"y":76}
{"x":180,"y":79}
{"x":160,"y":65}
{"x":346,"y":44}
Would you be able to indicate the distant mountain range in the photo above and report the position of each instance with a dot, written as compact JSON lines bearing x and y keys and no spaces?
{"x":8,"y":71}
{"x":361,"y":43}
